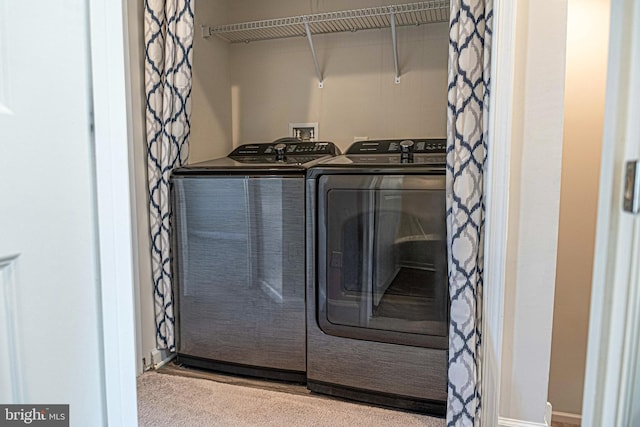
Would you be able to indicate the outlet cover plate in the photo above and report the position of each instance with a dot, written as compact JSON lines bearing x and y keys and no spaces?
{"x":304,"y":131}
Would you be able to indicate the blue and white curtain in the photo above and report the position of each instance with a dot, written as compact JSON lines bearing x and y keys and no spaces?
{"x":168,"y":33}
{"x":467,"y":125}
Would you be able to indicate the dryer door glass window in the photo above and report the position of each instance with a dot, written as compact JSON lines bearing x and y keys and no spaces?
{"x":385,"y":263}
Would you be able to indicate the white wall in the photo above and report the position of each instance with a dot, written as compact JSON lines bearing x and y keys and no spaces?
{"x":211,"y":93}
{"x":587,"y":47}
{"x":536,"y":153}
{"x":273,"y":83}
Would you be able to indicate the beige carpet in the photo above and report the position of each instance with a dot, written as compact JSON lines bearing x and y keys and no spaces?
{"x":170,"y":400}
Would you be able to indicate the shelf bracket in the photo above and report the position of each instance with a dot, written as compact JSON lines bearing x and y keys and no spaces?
{"x":394,"y":41}
{"x":313,"y":53}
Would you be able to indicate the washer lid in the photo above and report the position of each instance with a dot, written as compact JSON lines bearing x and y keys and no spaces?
{"x":229,"y":166}
{"x":268,"y":158}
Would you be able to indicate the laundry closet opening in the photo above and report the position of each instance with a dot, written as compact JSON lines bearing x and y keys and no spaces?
{"x":250,"y":215}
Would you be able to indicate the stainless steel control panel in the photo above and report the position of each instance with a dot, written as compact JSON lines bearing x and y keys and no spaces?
{"x":310,"y":148}
{"x":419,"y":146}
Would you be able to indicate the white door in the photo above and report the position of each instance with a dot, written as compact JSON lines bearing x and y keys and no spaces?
{"x":52,"y":309}
{"x":612,"y":383}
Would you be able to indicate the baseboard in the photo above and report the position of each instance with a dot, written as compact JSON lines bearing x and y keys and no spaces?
{"x":159,"y":358}
{"x":510,"y":422}
{"x":566,"y":417}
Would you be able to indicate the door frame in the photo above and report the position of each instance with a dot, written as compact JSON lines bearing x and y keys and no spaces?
{"x":497,"y":177}
{"x":613,"y":342}
{"x":113,"y":205}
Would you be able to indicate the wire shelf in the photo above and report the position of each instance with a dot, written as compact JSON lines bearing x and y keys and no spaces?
{"x":425,"y":12}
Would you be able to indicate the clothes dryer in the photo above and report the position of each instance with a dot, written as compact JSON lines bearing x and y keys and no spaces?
{"x":238,"y":259}
{"x":377,"y":300}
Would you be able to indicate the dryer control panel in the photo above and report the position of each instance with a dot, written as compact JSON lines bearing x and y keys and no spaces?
{"x":387,"y":146}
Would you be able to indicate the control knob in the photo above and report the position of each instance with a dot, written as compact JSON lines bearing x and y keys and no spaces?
{"x":279,"y":149}
{"x":406,"y":151}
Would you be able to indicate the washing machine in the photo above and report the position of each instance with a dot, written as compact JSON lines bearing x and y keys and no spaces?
{"x":377,"y":298}
{"x":238,"y":236}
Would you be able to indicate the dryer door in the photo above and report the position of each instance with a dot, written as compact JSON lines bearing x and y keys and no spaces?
{"x":382,"y":267}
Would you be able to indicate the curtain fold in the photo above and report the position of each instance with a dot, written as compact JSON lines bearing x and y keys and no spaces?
{"x":168,"y":32}
{"x":467,"y":125}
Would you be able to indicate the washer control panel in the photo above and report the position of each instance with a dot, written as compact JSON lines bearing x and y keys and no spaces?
{"x":286,"y":148}
{"x":387,"y":146}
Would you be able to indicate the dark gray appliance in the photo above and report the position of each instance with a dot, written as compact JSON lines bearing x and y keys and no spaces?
{"x":377,"y":299}
{"x":239,"y":240}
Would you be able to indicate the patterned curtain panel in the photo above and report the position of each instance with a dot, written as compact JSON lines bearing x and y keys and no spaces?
{"x":168,"y":28}
{"x":467,"y":124}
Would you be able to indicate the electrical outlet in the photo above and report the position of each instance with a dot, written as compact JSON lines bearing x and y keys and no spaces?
{"x":360,"y":138}
{"x":304,"y":131}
